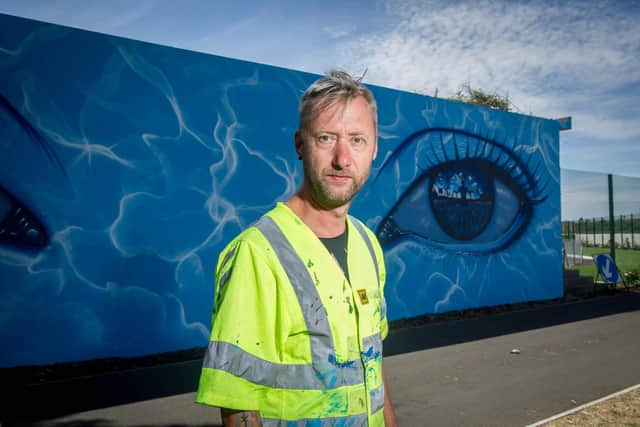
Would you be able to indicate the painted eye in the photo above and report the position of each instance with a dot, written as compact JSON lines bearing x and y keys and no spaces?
{"x":473,"y":194}
{"x":18,"y":225}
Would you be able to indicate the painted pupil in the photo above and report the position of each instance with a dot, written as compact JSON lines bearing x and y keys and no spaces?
{"x":461,"y":197}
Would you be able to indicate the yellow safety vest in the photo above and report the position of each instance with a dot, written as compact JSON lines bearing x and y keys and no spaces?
{"x":290,"y":336}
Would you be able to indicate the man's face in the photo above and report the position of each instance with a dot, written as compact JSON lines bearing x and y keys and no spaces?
{"x":337,"y":150}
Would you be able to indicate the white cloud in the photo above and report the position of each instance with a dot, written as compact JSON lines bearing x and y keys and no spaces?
{"x":339,"y":31}
{"x":547,"y":57}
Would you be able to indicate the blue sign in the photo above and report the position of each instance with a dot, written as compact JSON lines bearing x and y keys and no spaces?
{"x":607,"y":268}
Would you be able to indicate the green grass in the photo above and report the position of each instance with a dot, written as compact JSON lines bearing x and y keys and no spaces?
{"x":626,"y":260}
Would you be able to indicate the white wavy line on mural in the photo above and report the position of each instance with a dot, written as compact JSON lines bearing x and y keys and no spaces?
{"x":48,"y":33}
{"x":470,"y":270}
{"x":286,"y":176}
{"x":229,"y":157}
{"x":485,"y":277}
{"x":130,"y":198}
{"x":120,"y":218}
{"x":453,"y":288}
{"x":429,"y":111}
{"x":526,"y":280}
{"x":225,"y":136}
{"x":376,"y":169}
{"x":401,"y":184}
{"x":14,"y":258}
{"x":88,"y":149}
{"x":543,"y":248}
{"x":539,"y":146}
{"x":551,"y":159}
{"x":155,"y":77}
{"x":225,"y":142}
{"x":202,"y":329}
{"x":392,"y":257}
{"x":62,"y":239}
{"x":195,"y":266}
{"x":219,"y":209}
{"x":384,"y":130}
{"x":85,"y":147}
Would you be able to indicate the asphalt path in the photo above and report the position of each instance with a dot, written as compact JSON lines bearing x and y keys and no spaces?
{"x":506,"y":369}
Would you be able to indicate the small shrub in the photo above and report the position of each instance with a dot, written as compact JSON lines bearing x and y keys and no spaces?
{"x":632,"y":277}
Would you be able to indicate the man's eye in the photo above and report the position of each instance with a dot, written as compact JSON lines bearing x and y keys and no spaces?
{"x":326,"y":139}
{"x":358,"y":140}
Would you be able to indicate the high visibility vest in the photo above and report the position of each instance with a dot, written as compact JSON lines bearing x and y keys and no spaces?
{"x":291,"y":337}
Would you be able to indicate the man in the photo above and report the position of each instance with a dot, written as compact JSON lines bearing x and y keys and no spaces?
{"x":300,"y":315}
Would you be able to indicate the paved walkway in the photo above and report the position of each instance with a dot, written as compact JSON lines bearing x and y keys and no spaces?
{"x":465,"y":372}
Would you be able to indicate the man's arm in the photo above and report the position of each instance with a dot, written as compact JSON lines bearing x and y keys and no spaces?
{"x":234,"y":418}
{"x":389,"y":415}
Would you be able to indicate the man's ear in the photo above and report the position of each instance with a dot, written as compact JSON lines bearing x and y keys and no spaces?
{"x":299,"y":142}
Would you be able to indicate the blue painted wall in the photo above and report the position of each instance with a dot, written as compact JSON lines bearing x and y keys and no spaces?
{"x":125,"y":167}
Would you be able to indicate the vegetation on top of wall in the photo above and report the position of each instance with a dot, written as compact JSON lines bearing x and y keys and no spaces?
{"x":480,"y":97}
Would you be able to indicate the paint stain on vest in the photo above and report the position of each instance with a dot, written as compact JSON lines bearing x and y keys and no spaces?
{"x":347,"y":300}
{"x":369,"y":354}
{"x":348,"y":364}
{"x":338,"y":406}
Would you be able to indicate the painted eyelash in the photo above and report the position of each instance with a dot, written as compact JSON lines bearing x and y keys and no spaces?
{"x":34,"y":135}
{"x":19,"y":226}
{"x":500,"y":155}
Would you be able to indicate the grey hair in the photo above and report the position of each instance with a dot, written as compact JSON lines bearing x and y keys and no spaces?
{"x":325,"y":92}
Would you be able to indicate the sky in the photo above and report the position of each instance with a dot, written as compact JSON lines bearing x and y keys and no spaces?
{"x":552,"y":59}
{"x":586,"y":195}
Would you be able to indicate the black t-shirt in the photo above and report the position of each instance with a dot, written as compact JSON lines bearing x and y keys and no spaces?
{"x":337,"y":246}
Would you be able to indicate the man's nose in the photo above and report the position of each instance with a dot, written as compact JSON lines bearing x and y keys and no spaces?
{"x":341,"y":155}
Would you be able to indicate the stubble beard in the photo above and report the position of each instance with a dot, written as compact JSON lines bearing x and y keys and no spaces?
{"x":327,"y":197}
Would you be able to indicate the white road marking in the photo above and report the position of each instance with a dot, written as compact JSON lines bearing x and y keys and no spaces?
{"x":586,"y":405}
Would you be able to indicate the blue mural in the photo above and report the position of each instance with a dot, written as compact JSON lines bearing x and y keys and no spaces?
{"x":125,"y":167}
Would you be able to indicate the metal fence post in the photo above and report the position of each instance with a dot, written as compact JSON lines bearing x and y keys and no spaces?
{"x":573,"y":239}
{"x":612,"y":226}
{"x":632,"y":243}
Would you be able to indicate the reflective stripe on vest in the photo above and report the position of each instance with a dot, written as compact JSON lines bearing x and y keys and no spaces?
{"x":234,"y":360}
{"x":223,"y":279}
{"x":365,"y":237}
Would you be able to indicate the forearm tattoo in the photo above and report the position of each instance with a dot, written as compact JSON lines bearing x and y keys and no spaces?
{"x":232,"y":418}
